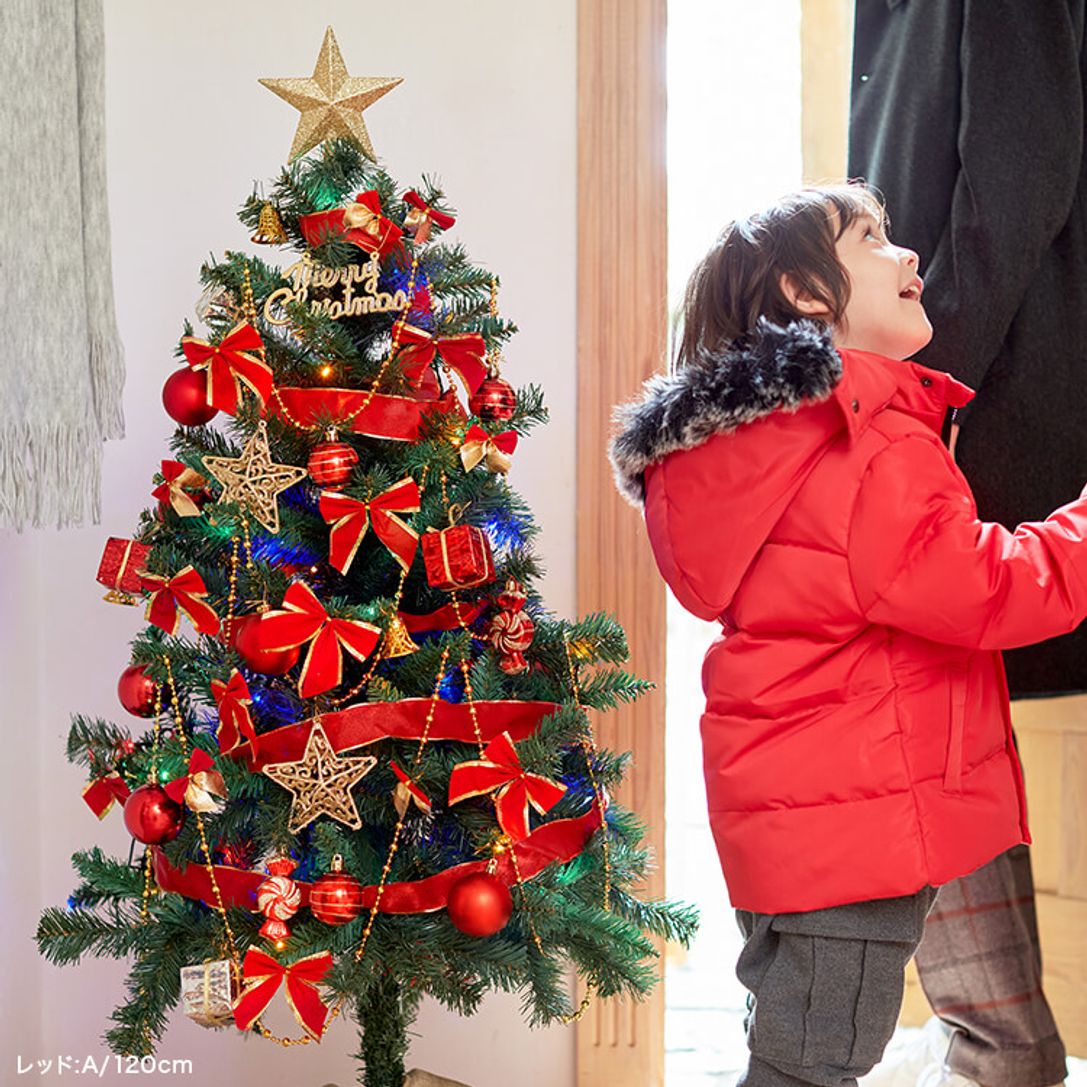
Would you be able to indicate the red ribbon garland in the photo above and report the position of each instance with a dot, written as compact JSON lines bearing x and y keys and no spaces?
{"x":405,"y":719}
{"x":350,"y":518}
{"x":463,"y":353}
{"x":199,"y":761}
{"x":233,"y":700}
{"x":262,"y":976}
{"x":377,"y":415}
{"x":500,"y":768}
{"x":360,"y":223}
{"x":183,"y":591}
{"x":230,"y":365}
{"x":556,"y":842}
{"x":443,"y":618}
{"x":101,"y":793}
{"x":302,"y":619}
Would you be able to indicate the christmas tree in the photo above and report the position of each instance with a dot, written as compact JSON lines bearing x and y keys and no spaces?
{"x":369,"y":772}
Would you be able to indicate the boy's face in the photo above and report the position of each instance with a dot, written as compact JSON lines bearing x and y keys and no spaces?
{"x":884,"y":314}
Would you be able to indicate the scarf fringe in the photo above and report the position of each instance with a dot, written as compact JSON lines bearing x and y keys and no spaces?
{"x":50,"y":475}
{"x":107,"y":361}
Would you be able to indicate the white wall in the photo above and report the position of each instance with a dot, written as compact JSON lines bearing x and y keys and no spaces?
{"x":487,"y":103}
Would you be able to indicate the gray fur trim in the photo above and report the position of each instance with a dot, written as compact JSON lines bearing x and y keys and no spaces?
{"x":776,"y":369}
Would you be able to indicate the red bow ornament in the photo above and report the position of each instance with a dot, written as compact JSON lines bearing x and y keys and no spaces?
{"x":230,"y":364}
{"x":496,"y":450}
{"x":500,"y":769}
{"x":360,"y":223}
{"x":303,"y":619}
{"x":350,"y":517}
{"x":101,"y":793}
{"x":463,"y":353}
{"x":262,"y":975}
{"x":176,"y":477}
{"x":407,"y":792}
{"x":233,"y":700}
{"x":185,"y":592}
{"x":422,"y":217}
{"x":198,"y":788}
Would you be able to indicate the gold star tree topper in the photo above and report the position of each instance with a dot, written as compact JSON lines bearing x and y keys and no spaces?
{"x":254,"y":480}
{"x":321,"y":782}
{"x":331,"y":101}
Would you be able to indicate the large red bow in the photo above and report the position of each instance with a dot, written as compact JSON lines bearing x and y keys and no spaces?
{"x":230,"y":364}
{"x":422,"y":216}
{"x":233,"y":699}
{"x":303,"y":619}
{"x":349,"y":518}
{"x":361,"y":223}
{"x":262,"y":976}
{"x":185,"y":590}
{"x":171,"y":491}
{"x":478,"y":446}
{"x":198,"y":788}
{"x":500,"y":768}
{"x":101,"y":793}
{"x":463,"y":353}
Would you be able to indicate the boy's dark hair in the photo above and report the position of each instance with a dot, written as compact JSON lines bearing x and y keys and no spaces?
{"x":739,"y":279}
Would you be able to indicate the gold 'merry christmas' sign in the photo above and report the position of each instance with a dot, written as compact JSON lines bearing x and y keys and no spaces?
{"x":356,"y":285}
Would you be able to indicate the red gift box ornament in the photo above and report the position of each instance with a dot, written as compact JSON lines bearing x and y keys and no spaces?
{"x":421,"y":217}
{"x":500,"y":768}
{"x":230,"y":364}
{"x":184,"y":592}
{"x":457,"y":557}
{"x":303,"y":619}
{"x":463,"y":353}
{"x":350,"y":518}
{"x":360,"y":223}
{"x":494,"y":450}
{"x":121,"y":569}
{"x":233,"y":700}
{"x":511,"y":631}
{"x":262,"y":976}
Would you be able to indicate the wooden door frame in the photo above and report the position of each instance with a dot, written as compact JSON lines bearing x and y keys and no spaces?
{"x":622,"y":337}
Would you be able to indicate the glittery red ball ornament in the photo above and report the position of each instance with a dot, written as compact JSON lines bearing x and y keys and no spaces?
{"x":245,"y":635}
{"x":336,"y":897}
{"x":185,"y":398}
{"x":479,"y":904}
{"x":136,"y":690}
{"x":152,"y":817}
{"x":493,"y":401}
{"x":331,"y":464}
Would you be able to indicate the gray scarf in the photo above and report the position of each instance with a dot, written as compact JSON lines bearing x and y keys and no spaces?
{"x":61,"y":364}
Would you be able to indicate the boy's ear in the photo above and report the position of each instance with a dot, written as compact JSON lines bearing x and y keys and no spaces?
{"x":800,"y":299}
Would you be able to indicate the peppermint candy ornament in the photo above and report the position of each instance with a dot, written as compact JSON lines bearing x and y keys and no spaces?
{"x":278,"y":898}
{"x":511,"y":631}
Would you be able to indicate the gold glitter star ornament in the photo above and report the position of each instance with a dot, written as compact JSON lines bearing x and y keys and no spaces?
{"x":254,"y":480}
{"x":321,"y":782}
{"x":331,"y":101}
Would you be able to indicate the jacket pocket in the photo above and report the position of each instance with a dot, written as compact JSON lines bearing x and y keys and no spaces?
{"x":956,"y":733}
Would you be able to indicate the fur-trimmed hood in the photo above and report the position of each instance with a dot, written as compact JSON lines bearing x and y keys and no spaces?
{"x":778,"y":369}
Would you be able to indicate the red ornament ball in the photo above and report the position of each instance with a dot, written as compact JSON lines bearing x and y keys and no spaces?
{"x":336,"y":897}
{"x":479,"y":904}
{"x":331,"y":464}
{"x":185,"y":398}
{"x":136,"y":690}
{"x":494,"y":401}
{"x":152,"y":817}
{"x":245,"y":636}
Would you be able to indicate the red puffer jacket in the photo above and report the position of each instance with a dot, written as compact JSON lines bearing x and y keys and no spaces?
{"x":857,"y":735}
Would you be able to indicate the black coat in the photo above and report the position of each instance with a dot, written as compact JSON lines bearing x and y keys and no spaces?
{"x":968,"y":115}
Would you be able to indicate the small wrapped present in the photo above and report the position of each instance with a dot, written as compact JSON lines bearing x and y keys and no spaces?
{"x":457,"y":557}
{"x":208,"y":992}
{"x":120,"y":569}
